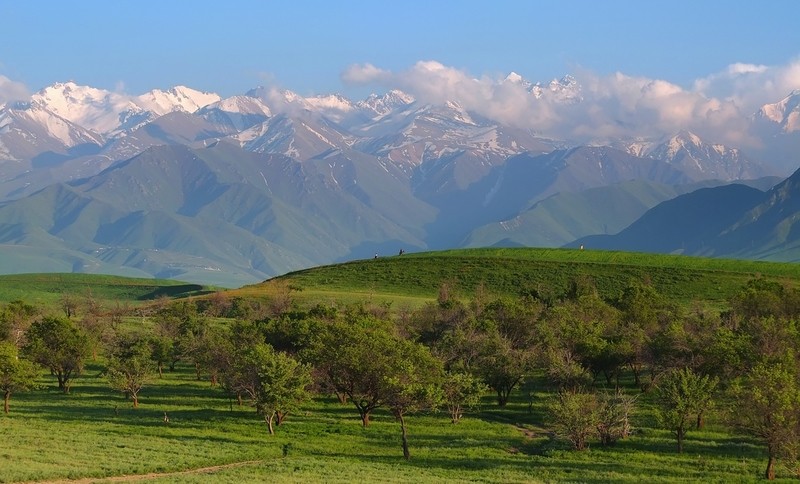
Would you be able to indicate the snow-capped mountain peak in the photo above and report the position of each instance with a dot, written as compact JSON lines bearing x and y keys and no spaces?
{"x":383,"y":105}
{"x":786,"y":112}
{"x":178,"y":98}
{"x":92,"y":108}
{"x":240,"y":105}
{"x":692,"y":154}
{"x":331,"y":101}
{"x":567,"y":89}
{"x":514,"y":78}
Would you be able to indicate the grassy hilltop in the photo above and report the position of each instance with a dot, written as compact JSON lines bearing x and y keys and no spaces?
{"x":415,"y":278}
{"x":47,"y":289}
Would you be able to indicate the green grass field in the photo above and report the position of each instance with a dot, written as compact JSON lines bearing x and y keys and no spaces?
{"x":414,"y":278}
{"x":94,"y":433}
{"x":47,"y":289}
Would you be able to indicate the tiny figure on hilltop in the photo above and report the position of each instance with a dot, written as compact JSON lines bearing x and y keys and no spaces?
{"x":401,"y":252}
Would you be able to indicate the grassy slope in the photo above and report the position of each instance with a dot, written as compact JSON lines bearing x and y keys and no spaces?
{"x":47,"y":289}
{"x":511,"y":271}
{"x":94,"y":432}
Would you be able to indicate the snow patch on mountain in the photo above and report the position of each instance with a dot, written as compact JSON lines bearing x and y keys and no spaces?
{"x":56,"y":127}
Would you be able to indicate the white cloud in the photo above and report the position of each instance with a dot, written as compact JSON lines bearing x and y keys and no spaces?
{"x":364,"y":74}
{"x":751,"y":86}
{"x":12,"y":90}
{"x":716,"y":106}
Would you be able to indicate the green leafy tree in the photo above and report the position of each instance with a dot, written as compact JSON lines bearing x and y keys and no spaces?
{"x":130,"y":366}
{"x":15,"y":319}
{"x":643,"y":312}
{"x":461,"y":391}
{"x":280,"y":383}
{"x":355,"y":360}
{"x":502,"y":366}
{"x":16,"y":374}
{"x":160,"y":351}
{"x":767,"y":406}
{"x":566,"y":372}
{"x":574,"y":417}
{"x":58,"y":345}
{"x":413,"y":385}
{"x":683,"y":394}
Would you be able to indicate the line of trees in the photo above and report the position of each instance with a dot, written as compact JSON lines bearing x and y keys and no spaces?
{"x":449,"y":353}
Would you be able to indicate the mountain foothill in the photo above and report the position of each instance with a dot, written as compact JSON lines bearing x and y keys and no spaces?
{"x":187,"y":185}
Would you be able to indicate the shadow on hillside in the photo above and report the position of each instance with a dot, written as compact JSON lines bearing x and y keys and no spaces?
{"x":173,"y":292}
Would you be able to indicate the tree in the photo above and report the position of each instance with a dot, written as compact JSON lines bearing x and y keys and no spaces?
{"x":502,"y":366}
{"x":681,"y":395}
{"x":160,"y":351}
{"x":59,"y":346}
{"x":281,"y":383}
{"x":130,"y":366}
{"x":69,"y":304}
{"x":613,"y":416}
{"x":767,"y":406}
{"x":412,"y":384}
{"x":16,"y":374}
{"x":643,"y":313}
{"x":355,"y":360}
{"x":565,"y":372}
{"x":15,"y":319}
{"x":574,"y":417}
{"x":461,"y":391}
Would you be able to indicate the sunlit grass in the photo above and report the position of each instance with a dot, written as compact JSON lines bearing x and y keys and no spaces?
{"x":94,"y":432}
{"x":413,"y":279}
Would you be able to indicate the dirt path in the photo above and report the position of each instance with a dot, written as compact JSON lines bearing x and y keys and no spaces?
{"x":155,"y":475}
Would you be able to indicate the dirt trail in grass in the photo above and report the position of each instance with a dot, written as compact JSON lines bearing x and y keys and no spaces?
{"x":156,"y":475}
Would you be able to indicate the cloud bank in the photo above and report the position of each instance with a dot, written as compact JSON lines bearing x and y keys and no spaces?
{"x":12,"y":90}
{"x":617,"y":105}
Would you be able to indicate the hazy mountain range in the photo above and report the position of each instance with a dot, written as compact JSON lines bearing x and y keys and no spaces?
{"x":187,"y":185}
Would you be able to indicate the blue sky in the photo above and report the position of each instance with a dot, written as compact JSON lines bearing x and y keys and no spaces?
{"x":232,"y":46}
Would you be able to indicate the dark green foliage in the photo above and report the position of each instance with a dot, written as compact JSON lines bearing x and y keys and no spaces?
{"x":58,"y":345}
{"x":683,"y":394}
{"x":574,"y":417}
{"x":130,"y":365}
{"x":460,"y":392}
{"x":15,"y":317}
{"x":766,"y":405}
{"x":412,"y":383}
{"x":16,"y":374}
{"x":279,"y":383}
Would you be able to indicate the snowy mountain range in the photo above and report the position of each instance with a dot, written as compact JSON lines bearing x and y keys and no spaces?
{"x":311,"y":180}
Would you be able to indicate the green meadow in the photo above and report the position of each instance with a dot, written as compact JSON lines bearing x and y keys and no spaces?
{"x":185,"y":430}
{"x":94,"y":433}
{"x":415,"y":278}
